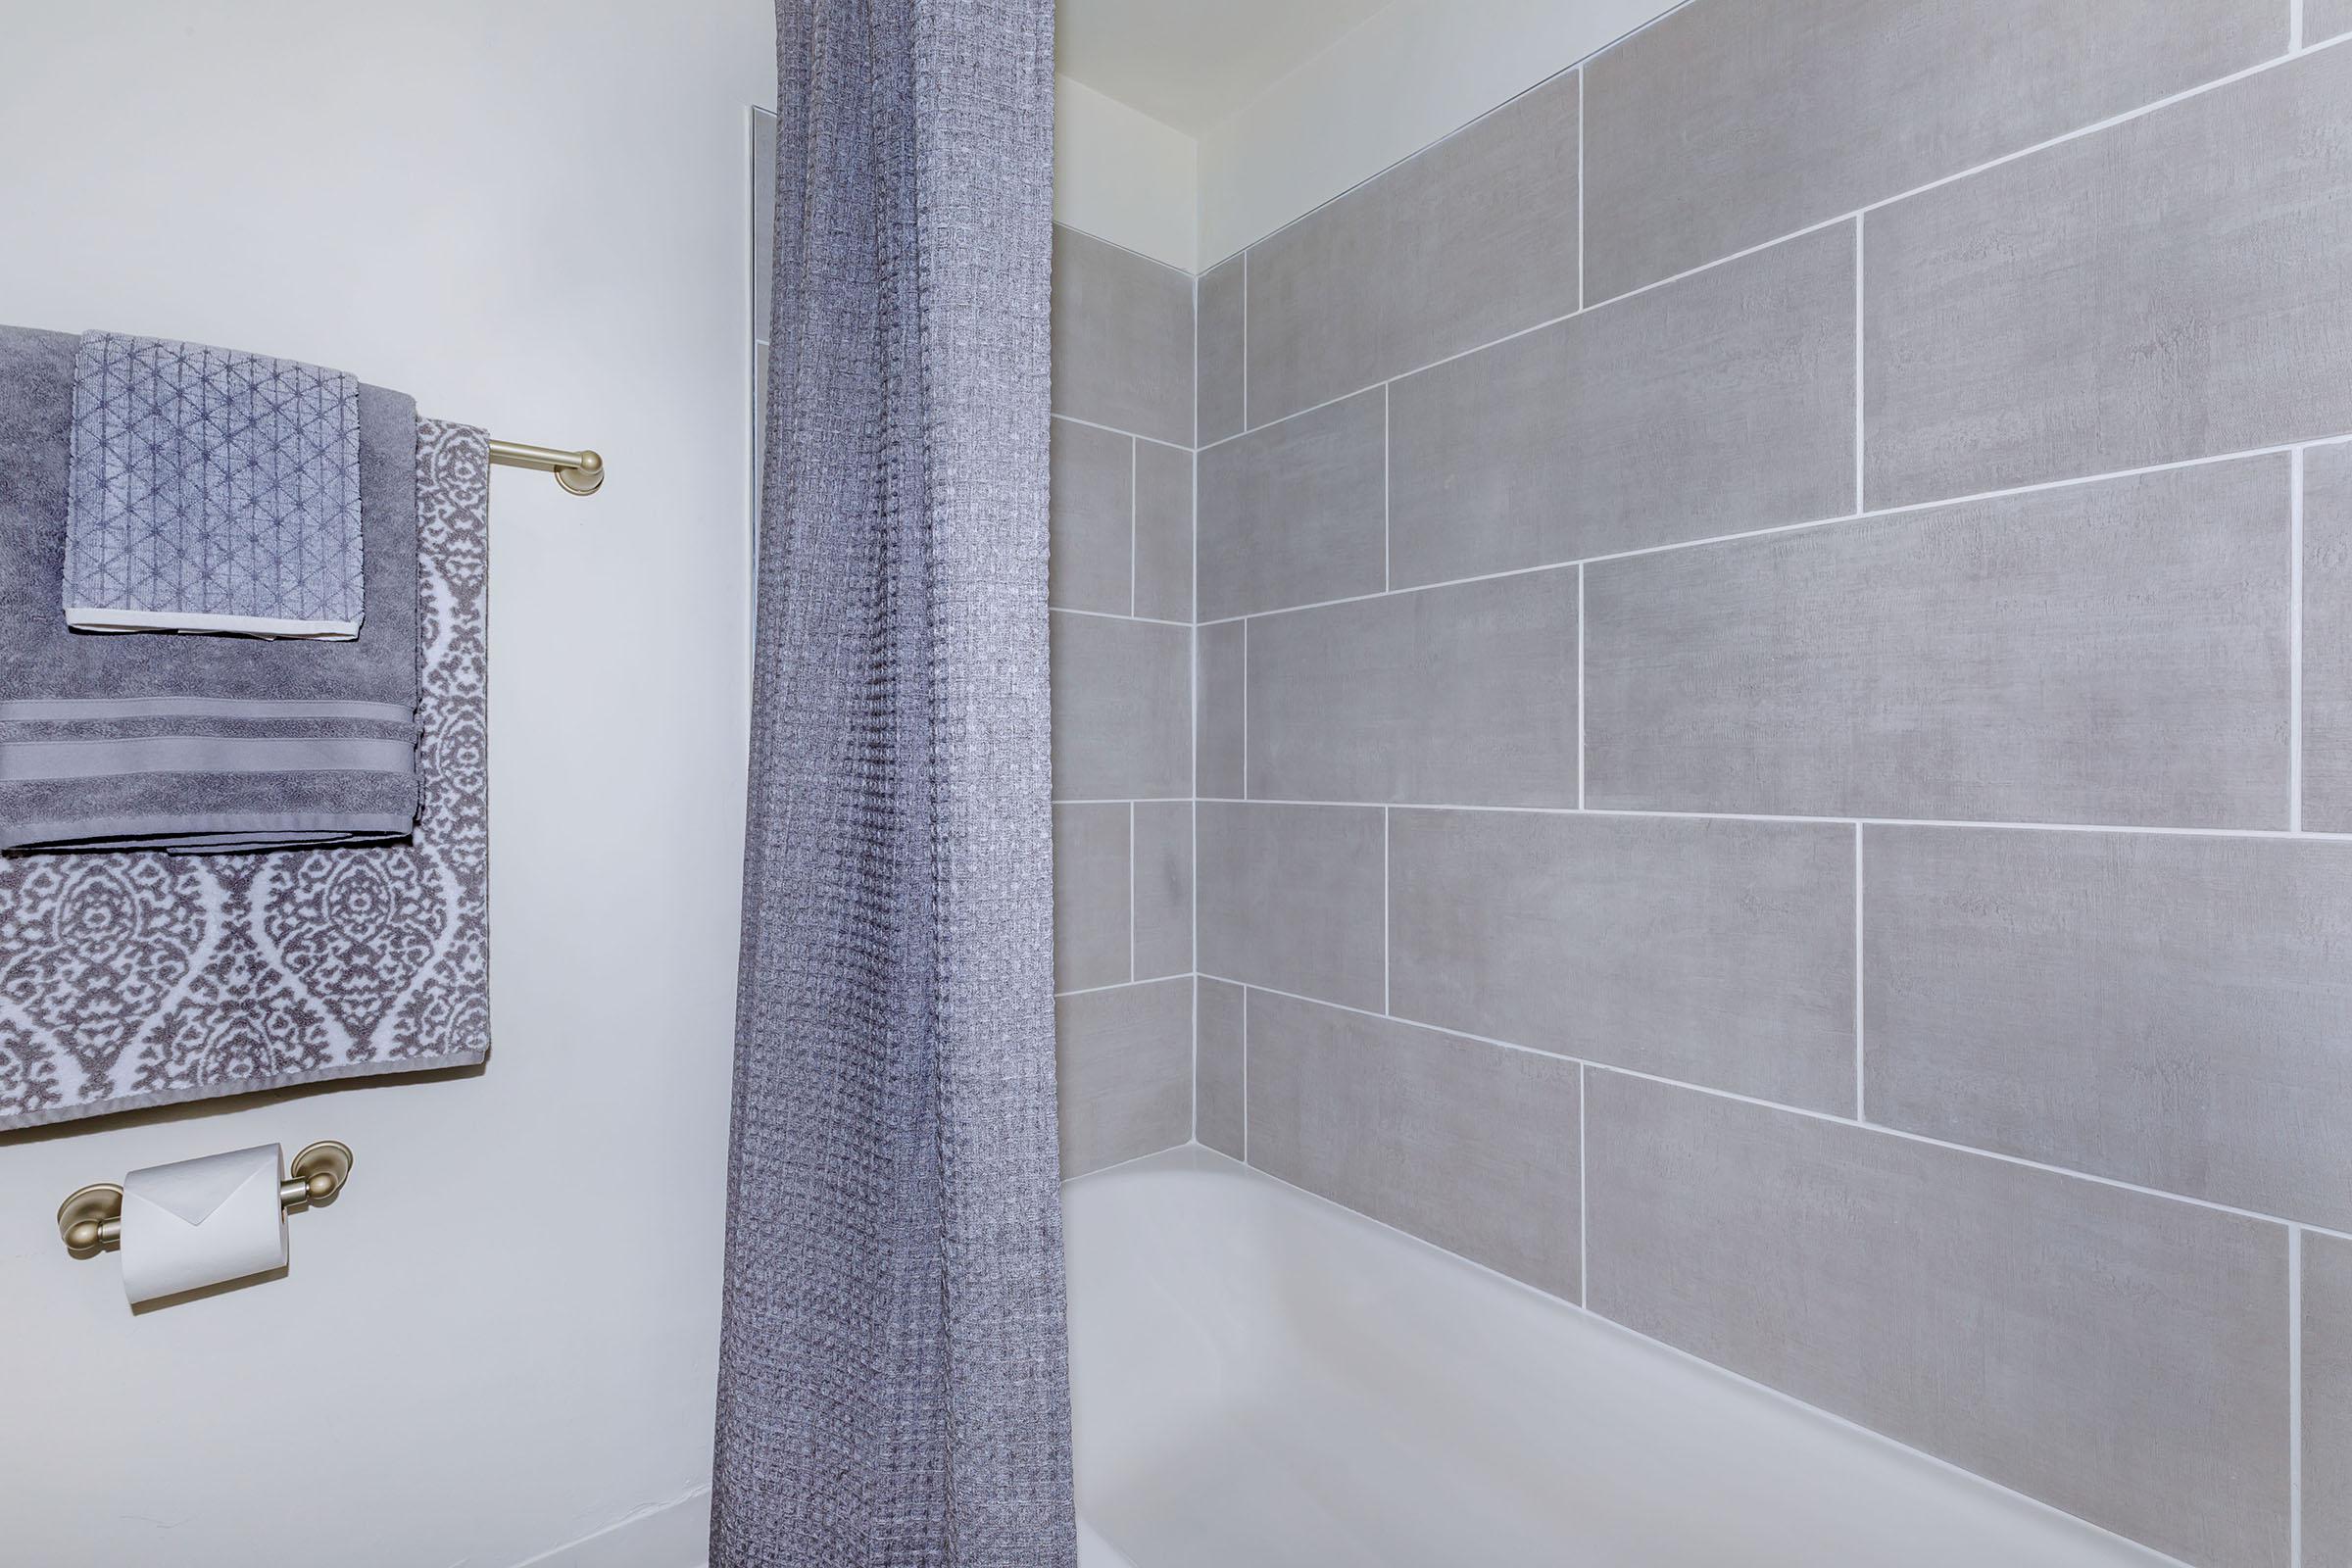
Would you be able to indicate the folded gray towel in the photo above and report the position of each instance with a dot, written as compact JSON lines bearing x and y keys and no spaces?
{"x":196,"y":743}
{"x":212,"y":491}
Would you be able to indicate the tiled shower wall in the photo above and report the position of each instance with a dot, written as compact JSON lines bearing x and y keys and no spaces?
{"x":1121,"y":590}
{"x":1775,"y":725}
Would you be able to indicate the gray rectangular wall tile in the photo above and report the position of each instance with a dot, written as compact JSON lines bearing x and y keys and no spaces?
{"x":1465,"y":241}
{"x":1217,"y":1085}
{"x":1220,"y":350}
{"x":1736,"y":122}
{"x":1290,"y":897}
{"x":1470,"y":1145}
{"x":1090,"y":896}
{"x":2173,"y":286}
{"x":1092,"y":562}
{"x":1126,"y":1059}
{"x":1718,"y":404}
{"x":2326,"y":19}
{"x":2119,"y":1355}
{"x":2326,"y":1400}
{"x":1163,"y":888}
{"x":1296,"y":512}
{"x":1457,"y":695}
{"x":1122,"y":339}
{"x":1719,"y":952}
{"x":1122,"y":709}
{"x":2166,"y":1009}
{"x":2328,"y":639}
{"x":2111,"y":652}
{"x":1220,"y":715}
{"x":1163,"y":531}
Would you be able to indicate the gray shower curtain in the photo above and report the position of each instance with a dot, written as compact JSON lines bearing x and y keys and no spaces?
{"x":894,"y":1383}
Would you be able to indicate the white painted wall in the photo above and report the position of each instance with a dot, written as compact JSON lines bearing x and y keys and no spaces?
{"x":1405,"y":78}
{"x":530,"y":214}
{"x":1121,"y":176}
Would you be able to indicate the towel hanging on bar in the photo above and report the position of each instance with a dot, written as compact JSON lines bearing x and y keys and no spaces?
{"x":212,"y":491}
{"x":141,"y":978}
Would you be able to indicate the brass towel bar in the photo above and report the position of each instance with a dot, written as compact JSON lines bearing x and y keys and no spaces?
{"x":581,"y":472}
{"x":92,"y":1218}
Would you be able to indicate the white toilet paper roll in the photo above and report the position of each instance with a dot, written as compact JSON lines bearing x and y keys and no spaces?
{"x":202,"y":1222}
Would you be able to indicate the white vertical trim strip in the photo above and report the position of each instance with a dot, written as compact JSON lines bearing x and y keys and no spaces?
{"x":2294,"y":1395}
{"x":1859,"y":1114}
{"x":1245,"y":349}
{"x":1387,"y":909}
{"x":2294,"y":642}
{"x":1581,"y":84}
{"x":1581,"y":703}
{"x":1583,"y":1197}
{"x":1860,"y":337}
{"x":1245,"y":1075}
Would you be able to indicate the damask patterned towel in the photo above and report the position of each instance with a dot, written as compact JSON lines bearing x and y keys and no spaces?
{"x":196,"y":743}
{"x":143,"y":978}
{"x":213,"y":491}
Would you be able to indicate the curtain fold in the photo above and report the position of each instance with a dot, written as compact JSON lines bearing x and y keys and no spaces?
{"x":893,"y":1383}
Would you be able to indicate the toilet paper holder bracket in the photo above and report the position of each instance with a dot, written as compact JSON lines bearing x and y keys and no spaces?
{"x":91,"y":1219}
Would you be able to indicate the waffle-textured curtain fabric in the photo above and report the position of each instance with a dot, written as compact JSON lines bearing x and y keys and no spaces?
{"x":893,"y":1375}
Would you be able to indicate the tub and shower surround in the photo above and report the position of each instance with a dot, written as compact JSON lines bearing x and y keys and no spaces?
{"x":1122,"y":593}
{"x":1775,"y":725}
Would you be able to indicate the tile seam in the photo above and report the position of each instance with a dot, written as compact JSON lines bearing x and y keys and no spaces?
{"x":2123,"y":118}
{"x":1875,"y":1129}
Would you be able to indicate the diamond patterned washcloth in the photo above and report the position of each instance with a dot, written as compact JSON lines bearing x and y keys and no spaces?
{"x":212,"y":491}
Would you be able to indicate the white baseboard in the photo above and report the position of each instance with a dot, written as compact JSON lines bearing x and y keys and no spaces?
{"x":667,"y":1534}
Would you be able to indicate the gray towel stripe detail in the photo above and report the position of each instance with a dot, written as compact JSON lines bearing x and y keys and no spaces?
{"x":24,"y":760}
{"x":100,"y":709}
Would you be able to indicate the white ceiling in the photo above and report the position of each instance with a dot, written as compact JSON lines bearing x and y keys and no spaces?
{"x":1190,"y":63}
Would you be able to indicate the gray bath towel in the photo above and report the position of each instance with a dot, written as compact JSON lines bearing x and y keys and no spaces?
{"x":212,"y":491}
{"x":141,"y":978}
{"x":196,"y":743}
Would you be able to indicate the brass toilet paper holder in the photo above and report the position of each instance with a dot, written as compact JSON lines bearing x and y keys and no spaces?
{"x":91,"y":1219}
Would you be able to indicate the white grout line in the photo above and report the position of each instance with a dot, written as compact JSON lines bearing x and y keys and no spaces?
{"x":2294,"y":26}
{"x":1582,"y":270}
{"x":1112,"y":429}
{"x":1245,"y":1075}
{"x":2294,"y":643}
{"x":1584,"y":1199}
{"x":1119,"y":985}
{"x":1387,"y":910}
{"x":1245,"y":349}
{"x":1581,"y":704}
{"x":1861,"y":502}
{"x":2294,"y":1395}
{"x":1123,"y":800}
{"x":1388,"y":574}
{"x":1861,"y":1113}
{"x":1874,"y":1128}
{"x":1831,"y":221}
{"x":1906,"y":509}
{"x":1133,"y":505}
{"x":1195,"y":1083}
{"x":1132,"y":976}
{"x":2139,"y":1551}
{"x":1489,"y":112}
{"x":1795,"y":818}
{"x":1112,"y":615}
{"x":1244,"y":696}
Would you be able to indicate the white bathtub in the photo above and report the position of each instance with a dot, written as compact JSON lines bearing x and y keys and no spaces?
{"x":1262,"y":1378}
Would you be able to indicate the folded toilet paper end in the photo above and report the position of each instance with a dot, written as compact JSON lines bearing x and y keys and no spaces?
{"x":90,"y":1220}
